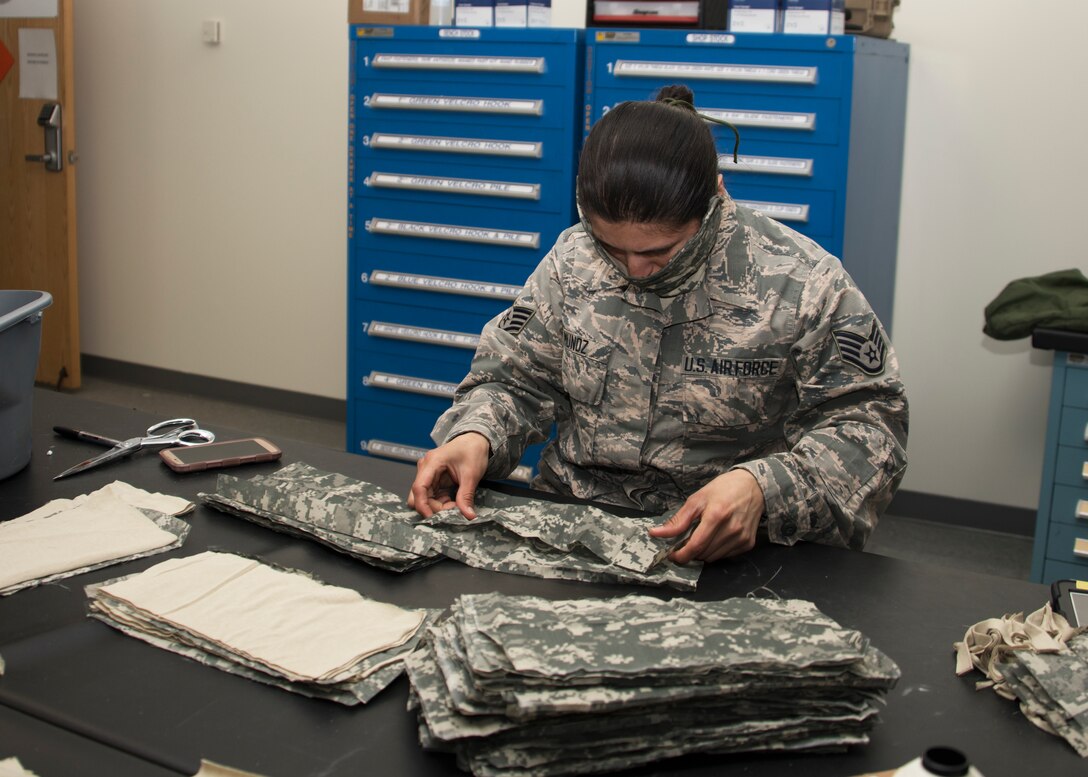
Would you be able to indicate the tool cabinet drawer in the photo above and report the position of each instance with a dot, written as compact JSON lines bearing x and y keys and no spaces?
{"x":438,"y":183}
{"x":416,"y":279}
{"x":470,"y":144}
{"x":1076,"y":384}
{"x":381,"y":373}
{"x":1070,"y":505}
{"x":1074,"y":427}
{"x":427,"y":102}
{"x":1068,"y":543}
{"x":483,"y":56}
{"x":758,"y":117}
{"x":660,"y":57}
{"x":1071,"y":467}
{"x":403,"y":433}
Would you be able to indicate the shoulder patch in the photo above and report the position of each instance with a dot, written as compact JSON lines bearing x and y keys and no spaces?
{"x":867,"y":351}
{"x":515,"y":319}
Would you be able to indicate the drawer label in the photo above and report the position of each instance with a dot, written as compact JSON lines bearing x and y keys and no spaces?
{"x":432,"y":388}
{"x":444,"y":285}
{"x":520,"y":191}
{"x":775,"y":119}
{"x":765,"y":164}
{"x":710,"y":39}
{"x":462,"y":33}
{"x":419,"y":334}
{"x":452,"y":232}
{"x":456,"y":145}
{"x":714,"y":70}
{"x":423,"y":102}
{"x":778,"y":210}
{"x":452,"y":62}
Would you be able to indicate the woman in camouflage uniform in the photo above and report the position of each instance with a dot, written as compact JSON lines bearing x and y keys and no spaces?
{"x":693,"y":354}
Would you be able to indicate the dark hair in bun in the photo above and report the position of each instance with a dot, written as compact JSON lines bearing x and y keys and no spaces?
{"x":649,"y":162}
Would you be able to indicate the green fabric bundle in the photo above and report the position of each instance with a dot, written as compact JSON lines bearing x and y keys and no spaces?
{"x":1056,"y":300}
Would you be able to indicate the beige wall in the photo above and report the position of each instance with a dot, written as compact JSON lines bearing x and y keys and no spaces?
{"x":212,"y":200}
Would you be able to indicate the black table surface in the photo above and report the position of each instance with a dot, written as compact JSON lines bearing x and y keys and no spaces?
{"x":132,"y":707}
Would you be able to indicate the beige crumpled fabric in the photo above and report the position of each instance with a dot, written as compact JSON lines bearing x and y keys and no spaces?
{"x":990,"y":642}
{"x":10,"y":767}
{"x":65,"y":536}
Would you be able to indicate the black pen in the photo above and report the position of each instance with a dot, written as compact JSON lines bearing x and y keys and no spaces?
{"x":75,"y":434}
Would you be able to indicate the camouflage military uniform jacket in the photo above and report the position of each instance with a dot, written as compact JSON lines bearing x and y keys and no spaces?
{"x":769,"y":359}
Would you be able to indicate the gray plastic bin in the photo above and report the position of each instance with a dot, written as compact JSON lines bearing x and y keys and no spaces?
{"x":20,"y":339}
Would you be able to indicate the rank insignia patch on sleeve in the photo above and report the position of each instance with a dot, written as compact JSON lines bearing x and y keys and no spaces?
{"x":866,"y":352}
{"x":515,"y":319}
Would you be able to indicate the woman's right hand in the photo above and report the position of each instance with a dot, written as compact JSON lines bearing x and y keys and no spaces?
{"x":447,"y":476}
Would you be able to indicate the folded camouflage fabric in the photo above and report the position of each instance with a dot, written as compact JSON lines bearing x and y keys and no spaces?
{"x":521,"y":686}
{"x":510,"y":534}
{"x":67,"y":537}
{"x":276,"y":626}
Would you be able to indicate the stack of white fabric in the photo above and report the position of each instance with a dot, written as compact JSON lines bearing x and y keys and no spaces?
{"x":68,"y":537}
{"x":268,"y":624}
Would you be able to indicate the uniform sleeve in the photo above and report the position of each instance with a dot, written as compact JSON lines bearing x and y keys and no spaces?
{"x":847,"y":438}
{"x":511,"y":394}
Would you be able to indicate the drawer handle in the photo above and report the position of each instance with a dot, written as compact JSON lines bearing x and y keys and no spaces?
{"x":1084,"y":470}
{"x":1080,"y":547}
{"x":393,"y":450}
{"x":1086,"y":432}
{"x":1082,"y":510}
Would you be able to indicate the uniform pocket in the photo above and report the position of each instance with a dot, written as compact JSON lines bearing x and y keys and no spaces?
{"x":729,"y":401}
{"x":585,"y":368}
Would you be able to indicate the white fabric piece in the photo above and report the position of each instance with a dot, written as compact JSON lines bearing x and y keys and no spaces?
{"x":10,"y":767}
{"x":129,"y":494}
{"x":289,"y":622}
{"x":99,"y":528}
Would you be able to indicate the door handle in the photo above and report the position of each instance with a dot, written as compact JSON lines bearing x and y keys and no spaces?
{"x":49,"y":119}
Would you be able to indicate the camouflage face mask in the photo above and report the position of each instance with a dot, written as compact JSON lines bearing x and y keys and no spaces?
{"x":668,"y":281}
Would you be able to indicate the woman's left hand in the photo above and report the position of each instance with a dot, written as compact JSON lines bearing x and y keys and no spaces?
{"x":728,"y":509}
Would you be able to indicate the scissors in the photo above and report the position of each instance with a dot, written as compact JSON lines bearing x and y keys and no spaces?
{"x":165,"y":434}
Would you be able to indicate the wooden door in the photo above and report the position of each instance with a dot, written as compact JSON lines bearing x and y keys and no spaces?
{"x":38,"y":207}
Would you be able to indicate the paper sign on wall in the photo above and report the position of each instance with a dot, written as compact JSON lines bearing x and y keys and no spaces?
{"x":37,"y":64}
{"x":28,"y":9}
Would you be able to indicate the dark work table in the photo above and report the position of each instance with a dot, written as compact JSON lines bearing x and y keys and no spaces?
{"x":80,"y":697}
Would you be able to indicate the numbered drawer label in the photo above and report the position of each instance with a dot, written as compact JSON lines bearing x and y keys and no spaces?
{"x":450,"y":62}
{"x":782,"y":211}
{"x":453,"y":232}
{"x":443,"y":285}
{"x":770,"y":165}
{"x":419,"y":334}
{"x":769,"y":119}
{"x":714,"y":71}
{"x":427,"y":183}
{"x":515,"y":148}
{"x":430,"y":388}
{"x":424,"y":102}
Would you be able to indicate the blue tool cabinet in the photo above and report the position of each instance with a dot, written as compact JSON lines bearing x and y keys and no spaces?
{"x":1061,"y":527}
{"x":821,"y":122}
{"x":462,"y":151}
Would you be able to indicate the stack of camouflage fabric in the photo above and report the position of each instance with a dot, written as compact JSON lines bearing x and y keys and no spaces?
{"x":520,"y":686}
{"x":1053,"y":689}
{"x":271,"y":625}
{"x":510,"y":534}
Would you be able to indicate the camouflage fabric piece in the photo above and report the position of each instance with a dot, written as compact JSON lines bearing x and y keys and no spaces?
{"x":169,"y":523}
{"x":1053,"y":689}
{"x":358,"y":684}
{"x":771,"y":361}
{"x":617,"y":683}
{"x":511,"y":534}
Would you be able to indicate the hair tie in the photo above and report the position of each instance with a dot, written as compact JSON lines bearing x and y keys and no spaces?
{"x":689,"y":107}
